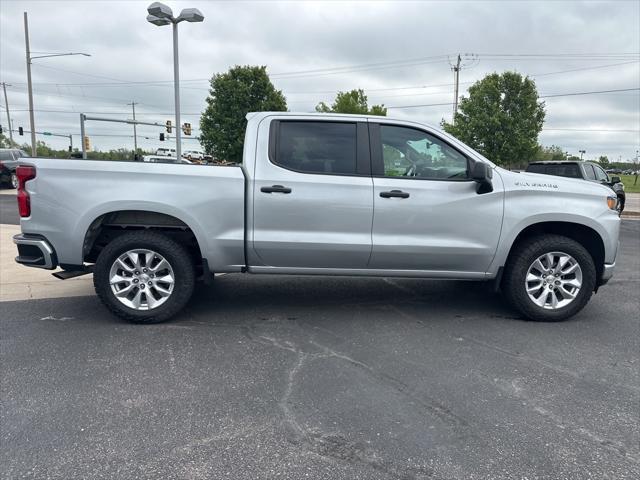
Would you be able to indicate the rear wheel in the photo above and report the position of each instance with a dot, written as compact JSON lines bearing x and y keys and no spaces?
{"x":549,"y":278}
{"x":14,"y":180}
{"x":144,"y":277}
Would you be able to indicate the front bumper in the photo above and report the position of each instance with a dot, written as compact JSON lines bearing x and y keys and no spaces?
{"x":35,"y":251}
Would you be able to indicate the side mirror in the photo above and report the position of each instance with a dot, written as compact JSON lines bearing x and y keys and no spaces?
{"x":615,"y":180}
{"x":481,"y":173}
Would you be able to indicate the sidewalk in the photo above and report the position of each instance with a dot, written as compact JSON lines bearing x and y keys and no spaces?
{"x":632,"y":205}
{"x":22,"y":283}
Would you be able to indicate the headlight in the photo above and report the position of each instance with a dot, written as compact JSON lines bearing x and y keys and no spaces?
{"x":612,"y":202}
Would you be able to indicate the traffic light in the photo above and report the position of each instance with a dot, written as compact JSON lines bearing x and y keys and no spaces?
{"x":20,"y":131}
{"x":70,"y":148}
{"x":0,"y":129}
{"x":186,"y":128}
{"x":168,"y":126}
{"x":162,"y":136}
{"x":86,"y":143}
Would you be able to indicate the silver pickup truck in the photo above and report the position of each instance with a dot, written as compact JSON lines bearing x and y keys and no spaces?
{"x":319,"y":194}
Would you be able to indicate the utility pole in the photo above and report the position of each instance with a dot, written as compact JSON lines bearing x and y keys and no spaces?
{"x":135,"y":133}
{"x":31,"y":119}
{"x":456,"y":74}
{"x":6,"y":103}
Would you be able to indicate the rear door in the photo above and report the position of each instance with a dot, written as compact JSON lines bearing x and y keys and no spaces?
{"x":312,"y":198}
{"x":427,"y":213}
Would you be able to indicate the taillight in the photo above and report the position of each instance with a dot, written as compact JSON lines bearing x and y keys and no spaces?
{"x":24,"y":174}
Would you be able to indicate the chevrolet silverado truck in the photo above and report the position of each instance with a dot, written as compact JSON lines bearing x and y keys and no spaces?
{"x":319,"y":194}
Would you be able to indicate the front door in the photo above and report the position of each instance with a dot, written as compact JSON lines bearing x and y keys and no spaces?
{"x":313,"y":196}
{"x":427,"y":213}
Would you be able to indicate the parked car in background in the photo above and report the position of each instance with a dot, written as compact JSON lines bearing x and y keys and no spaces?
{"x":9,"y":160}
{"x":589,"y":171}
{"x":166,"y":152}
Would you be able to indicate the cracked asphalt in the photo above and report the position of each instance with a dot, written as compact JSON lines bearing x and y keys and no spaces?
{"x":327,"y":378}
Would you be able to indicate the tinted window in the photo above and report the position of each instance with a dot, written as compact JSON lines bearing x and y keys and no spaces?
{"x":407,"y":152}
{"x":6,"y":155}
{"x":317,"y":147}
{"x":588,"y":171}
{"x":536,"y":168}
{"x":600,"y":174}
{"x":570,"y":170}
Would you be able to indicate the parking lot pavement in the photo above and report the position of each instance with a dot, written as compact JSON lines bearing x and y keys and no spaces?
{"x":9,"y":208}
{"x":22,"y":283}
{"x":303,"y":377}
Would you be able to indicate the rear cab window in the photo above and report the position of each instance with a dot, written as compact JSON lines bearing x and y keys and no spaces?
{"x":570,"y":170}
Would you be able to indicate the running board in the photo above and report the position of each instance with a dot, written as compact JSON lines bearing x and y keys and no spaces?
{"x":67,"y":274}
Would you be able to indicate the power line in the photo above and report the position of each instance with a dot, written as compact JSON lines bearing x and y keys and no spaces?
{"x":590,"y":93}
{"x":540,"y":96}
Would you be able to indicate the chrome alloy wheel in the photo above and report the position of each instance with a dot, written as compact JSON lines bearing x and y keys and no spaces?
{"x":553,"y":280}
{"x":141,"y":279}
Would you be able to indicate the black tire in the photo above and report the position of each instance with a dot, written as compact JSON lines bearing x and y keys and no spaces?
{"x":522,"y":257}
{"x":172,"y":251}
{"x":621,"y":200}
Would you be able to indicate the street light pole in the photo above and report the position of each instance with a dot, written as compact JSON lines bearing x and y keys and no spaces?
{"x":160,"y":15}
{"x":30,"y":88}
{"x":176,"y":82}
{"x":135,"y":133}
{"x":6,"y":103}
{"x":29,"y":84}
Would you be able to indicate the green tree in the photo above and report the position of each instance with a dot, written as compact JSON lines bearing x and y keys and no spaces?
{"x":553,"y":152}
{"x":5,"y":142}
{"x":604,"y":161}
{"x":355,"y":102}
{"x":233,"y":94}
{"x":501,"y":118}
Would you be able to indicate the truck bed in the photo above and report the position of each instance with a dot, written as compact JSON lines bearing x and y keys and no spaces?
{"x":67,"y":196}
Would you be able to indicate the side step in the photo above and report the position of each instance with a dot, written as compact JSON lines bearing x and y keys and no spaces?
{"x":66,"y":274}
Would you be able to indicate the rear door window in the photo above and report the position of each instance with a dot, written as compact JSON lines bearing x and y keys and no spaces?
{"x":316,"y":147}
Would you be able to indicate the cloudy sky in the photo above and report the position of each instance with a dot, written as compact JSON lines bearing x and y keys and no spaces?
{"x":398,"y":51}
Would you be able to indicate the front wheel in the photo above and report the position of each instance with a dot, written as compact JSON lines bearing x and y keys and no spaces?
{"x":620,"y":207}
{"x":144,"y":277}
{"x":549,"y":278}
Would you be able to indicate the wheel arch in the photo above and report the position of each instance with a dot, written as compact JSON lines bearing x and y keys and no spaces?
{"x":588,"y":237}
{"x":109,"y":225}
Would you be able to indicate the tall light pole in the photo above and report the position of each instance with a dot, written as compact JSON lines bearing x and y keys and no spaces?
{"x":29,"y":85}
{"x":135,"y":132}
{"x":582,"y":152}
{"x":6,"y":103}
{"x":160,"y":15}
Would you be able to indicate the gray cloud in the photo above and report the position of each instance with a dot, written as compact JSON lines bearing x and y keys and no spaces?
{"x":301,"y":36}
